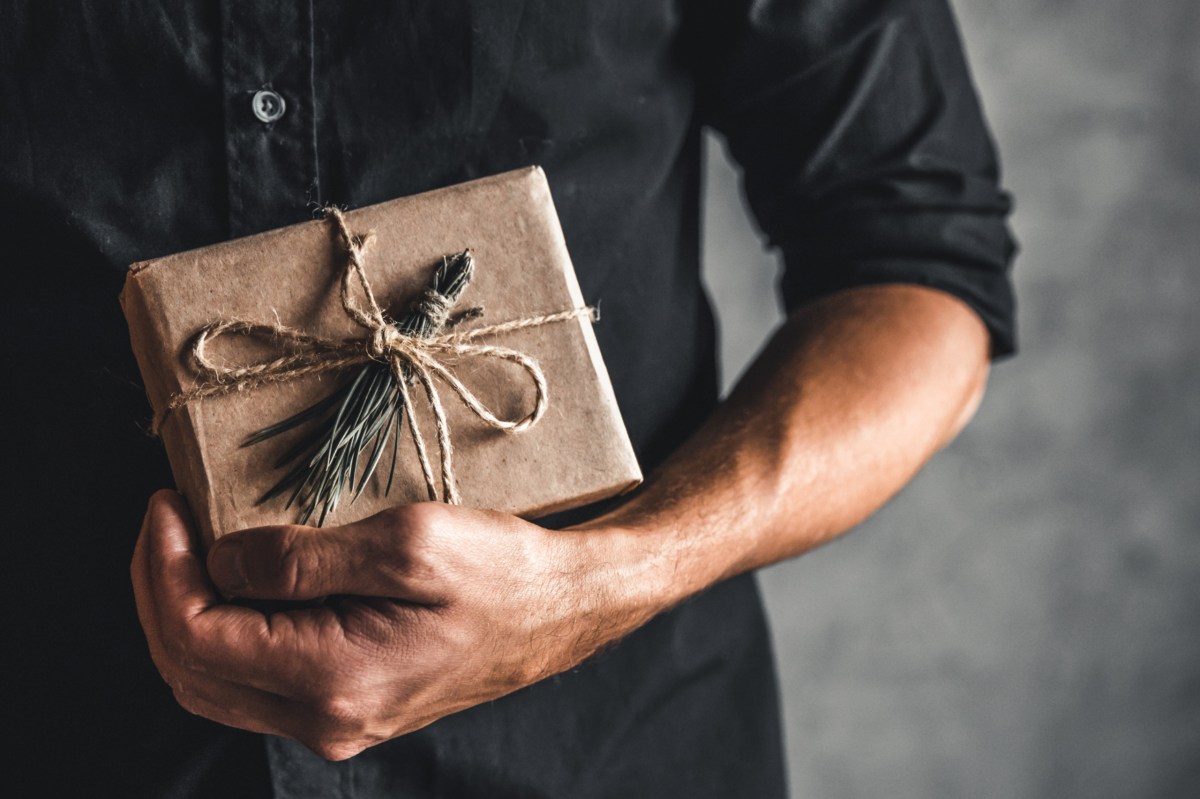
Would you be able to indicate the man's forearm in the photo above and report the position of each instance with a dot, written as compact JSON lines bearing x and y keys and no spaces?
{"x":847,"y":402}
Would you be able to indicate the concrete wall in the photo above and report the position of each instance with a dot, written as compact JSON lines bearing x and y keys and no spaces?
{"x":1024,"y":620}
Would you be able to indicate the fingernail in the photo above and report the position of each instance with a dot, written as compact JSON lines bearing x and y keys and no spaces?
{"x":226,"y":566}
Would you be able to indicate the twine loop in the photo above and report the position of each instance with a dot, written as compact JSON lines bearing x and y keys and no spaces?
{"x":413,"y":360}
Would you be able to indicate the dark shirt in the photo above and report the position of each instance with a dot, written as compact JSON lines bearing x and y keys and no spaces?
{"x":127,"y":132}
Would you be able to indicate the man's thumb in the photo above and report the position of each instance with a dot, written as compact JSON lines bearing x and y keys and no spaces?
{"x":294,"y":562}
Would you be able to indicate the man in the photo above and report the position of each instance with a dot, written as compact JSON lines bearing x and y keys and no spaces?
{"x":460,"y":657}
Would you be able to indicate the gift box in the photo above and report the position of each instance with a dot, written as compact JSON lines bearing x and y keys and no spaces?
{"x":499,"y":397}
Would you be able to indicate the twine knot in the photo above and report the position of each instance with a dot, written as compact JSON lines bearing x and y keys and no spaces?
{"x":384,"y":342}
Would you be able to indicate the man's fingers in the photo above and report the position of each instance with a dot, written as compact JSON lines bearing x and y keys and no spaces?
{"x":167,"y":589}
{"x":193,"y":634}
{"x":283,"y":673}
{"x":294,"y":562}
{"x":143,"y":594}
{"x":177,"y":576}
{"x":231,"y":640}
{"x":240,"y":706}
{"x":289,"y":653}
{"x":333,"y":731}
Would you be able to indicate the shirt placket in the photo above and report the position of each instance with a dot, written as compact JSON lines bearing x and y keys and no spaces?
{"x":270,"y":114}
{"x":272,"y":172}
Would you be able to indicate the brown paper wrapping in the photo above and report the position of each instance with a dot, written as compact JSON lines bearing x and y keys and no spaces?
{"x":577,"y":453}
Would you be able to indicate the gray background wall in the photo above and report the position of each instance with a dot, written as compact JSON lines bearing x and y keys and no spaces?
{"x":1024,"y":620}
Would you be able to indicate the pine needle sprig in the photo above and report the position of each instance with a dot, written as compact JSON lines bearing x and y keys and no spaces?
{"x":358,"y":417}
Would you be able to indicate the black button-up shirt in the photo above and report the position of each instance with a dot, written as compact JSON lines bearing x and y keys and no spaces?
{"x":137,"y":129}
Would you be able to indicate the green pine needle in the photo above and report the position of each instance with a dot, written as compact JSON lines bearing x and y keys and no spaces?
{"x":358,"y":417}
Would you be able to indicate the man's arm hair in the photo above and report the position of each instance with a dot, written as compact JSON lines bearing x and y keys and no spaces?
{"x":851,"y":397}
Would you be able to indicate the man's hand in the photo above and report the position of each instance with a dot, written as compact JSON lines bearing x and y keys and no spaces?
{"x":432,"y":609}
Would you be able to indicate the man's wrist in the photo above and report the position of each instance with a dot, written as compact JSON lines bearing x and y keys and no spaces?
{"x":640,"y":567}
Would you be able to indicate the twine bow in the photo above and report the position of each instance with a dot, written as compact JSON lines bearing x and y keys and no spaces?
{"x":411,"y":358}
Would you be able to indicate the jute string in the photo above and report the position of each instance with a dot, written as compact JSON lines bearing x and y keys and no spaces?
{"x":412,"y":359}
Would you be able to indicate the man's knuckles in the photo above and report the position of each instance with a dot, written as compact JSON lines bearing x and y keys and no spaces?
{"x":411,"y":520}
{"x":341,"y":716}
{"x":340,"y":726}
{"x":334,"y":750}
{"x":293,"y":565}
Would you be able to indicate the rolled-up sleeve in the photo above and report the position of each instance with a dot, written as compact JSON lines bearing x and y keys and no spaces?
{"x":866,"y":158}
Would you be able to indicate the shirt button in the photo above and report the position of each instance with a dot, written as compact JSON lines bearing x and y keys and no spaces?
{"x":268,"y":105}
